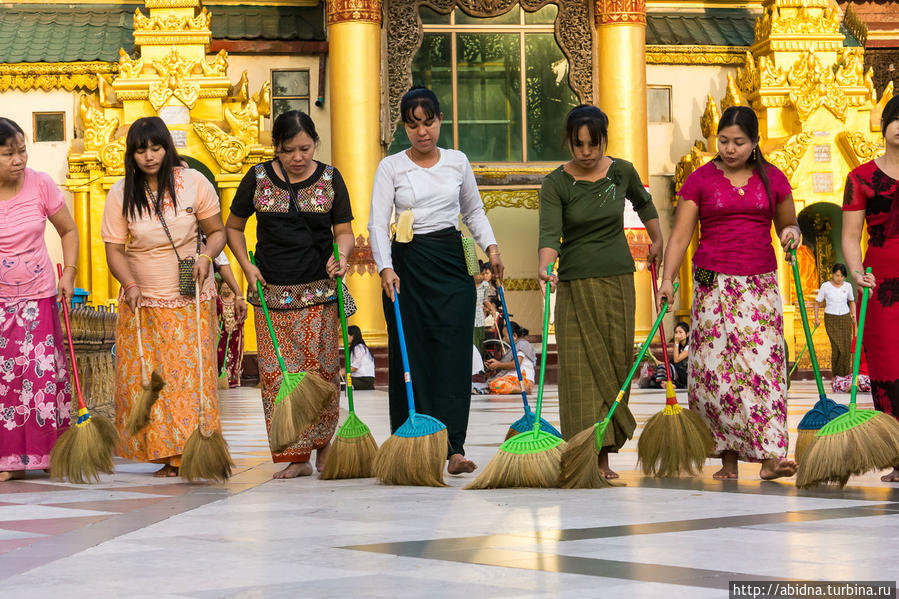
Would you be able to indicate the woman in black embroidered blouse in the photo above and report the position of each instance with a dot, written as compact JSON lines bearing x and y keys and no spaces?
{"x":302,"y":207}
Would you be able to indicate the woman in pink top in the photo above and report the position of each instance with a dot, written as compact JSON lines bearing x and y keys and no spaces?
{"x":737,"y":369}
{"x":35,"y":396}
{"x":144,"y":259}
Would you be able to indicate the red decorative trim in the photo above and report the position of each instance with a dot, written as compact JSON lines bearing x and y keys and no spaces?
{"x":340,"y":11}
{"x":610,"y":12}
{"x":362,"y":262}
{"x":268,"y":47}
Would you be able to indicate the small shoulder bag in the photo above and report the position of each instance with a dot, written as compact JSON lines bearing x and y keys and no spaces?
{"x":186,"y":283}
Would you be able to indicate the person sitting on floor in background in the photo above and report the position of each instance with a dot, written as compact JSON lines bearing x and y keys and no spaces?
{"x":680,"y":350}
{"x":505,"y":381}
{"x":362,"y":363}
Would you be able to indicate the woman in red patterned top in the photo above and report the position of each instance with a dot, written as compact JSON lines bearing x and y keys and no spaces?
{"x":872,"y":197}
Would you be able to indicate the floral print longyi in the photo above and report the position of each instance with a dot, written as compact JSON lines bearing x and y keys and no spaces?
{"x":737,"y":379}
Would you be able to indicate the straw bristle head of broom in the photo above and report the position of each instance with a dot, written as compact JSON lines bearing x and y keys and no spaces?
{"x":416,"y":461}
{"x":223,"y":382}
{"x":206,"y":458}
{"x":84,"y":451}
{"x":527,"y":460}
{"x":803,"y":442}
{"x":580,"y":463}
{"x":854,"y":443}
{"x":351,"y":457}
{"x":139,"y":417}
{"x":302,"y":397}
{"x":675,"y":442}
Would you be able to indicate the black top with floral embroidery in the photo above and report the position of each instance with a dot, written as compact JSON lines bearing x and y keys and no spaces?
{"x":294,"y":236}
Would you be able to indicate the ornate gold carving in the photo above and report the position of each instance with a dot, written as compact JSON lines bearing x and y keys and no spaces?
{"x":53,"y":75}
{"x":695,"y":55}
{"x":362,"y":262}
{"x":489,"y":172}
{"x":858,"y":148}
{"x":824,"y":254}
{"x":788,"y":156}
{"x":263,"y":99}
{"x":528,"y":199}
{"x":732,"y":95}
{"x":855,"y":25}
{"x":229,"y":152}
{"x":240,"y":91}
{"x":171,"y":22}
{"x":244,"y":124}
{"x":218,"y":67}
{"x":813,"y":86}
{"x":130,"y":69}
{"x":521,"y":285}
{"x":174,"y":72}
{"x":98,"y":130}
{"x":850,"y":67}
{"x":709,"y":121}
{"x":573,"y":29}
{"x":689,"y":163}
{"x":171,"y":3}
{"x":609,"y":12}
{"x":354,"y":10}
{"x":112,"y":156}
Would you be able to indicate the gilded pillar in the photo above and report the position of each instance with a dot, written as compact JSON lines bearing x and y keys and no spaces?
{"x":621,"y":79}
{"x":354,"y":57}
{"x":227,"y":184}
{"x":83,"y":224}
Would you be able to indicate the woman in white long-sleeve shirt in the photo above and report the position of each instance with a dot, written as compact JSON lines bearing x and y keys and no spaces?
{"x":424,"y":190}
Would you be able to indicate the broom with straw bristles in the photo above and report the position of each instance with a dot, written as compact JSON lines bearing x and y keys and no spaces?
{"x":414,"y":454}
{"x":150,"y":388}
{"x":301,"y":398}
{"x":675,"y":442}
{"x":205,"y":457}
{"x":526,"y":422}
{"x":85,"y":450}
{"x":580,"y":466}
{"x":825,"y":409}
{"x":532,"y":458}
{"x":223,"y":375}
{"x":855,"y":442}
{"x":354,"y":448}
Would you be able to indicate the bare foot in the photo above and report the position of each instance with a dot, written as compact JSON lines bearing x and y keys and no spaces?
{"x":12,"y":475}
{"x":295,"y":469}
{"x":166,"y":471}
{"x":459,"y":465}
{"x":604,"y":465}
{"x":321,"y":457}
{"x":729,"y":469}
{"x":892,"y":477}
{"x":773,"y":468}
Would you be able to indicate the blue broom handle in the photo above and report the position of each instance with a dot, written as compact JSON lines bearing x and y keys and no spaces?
{"x":524,"y":394}
{"x":403,"y":353}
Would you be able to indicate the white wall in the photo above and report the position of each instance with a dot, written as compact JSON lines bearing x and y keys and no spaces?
{"x":49,"y":157}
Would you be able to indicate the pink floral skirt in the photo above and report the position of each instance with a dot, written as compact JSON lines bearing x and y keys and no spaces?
{"x":35,"y":395}
{"x":737,"y":376}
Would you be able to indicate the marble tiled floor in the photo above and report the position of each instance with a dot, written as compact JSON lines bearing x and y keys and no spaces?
{"x":136,"y":536}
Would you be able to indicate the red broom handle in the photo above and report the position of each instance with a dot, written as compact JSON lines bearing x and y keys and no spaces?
{"x":655,"y":293}
{"x":65,"y":312}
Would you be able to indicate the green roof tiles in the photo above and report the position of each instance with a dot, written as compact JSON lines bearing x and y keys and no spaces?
{"x":717,"y":27}
{"x":70,"y":33}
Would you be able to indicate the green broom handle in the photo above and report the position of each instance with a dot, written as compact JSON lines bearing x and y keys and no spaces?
{"x":808,"y":335}
{"x":227,"y":343}
{"x":857,"y":359}
{"x":543,"y":346}
{"x":802,"y":353}
{"x":643,"y":350}
{"x":268,"y":319}
{"x":346,"y":338}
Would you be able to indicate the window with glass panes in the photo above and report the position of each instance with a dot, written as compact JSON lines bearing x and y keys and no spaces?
{"x":290,"y":91}
{"x":502,"y":83}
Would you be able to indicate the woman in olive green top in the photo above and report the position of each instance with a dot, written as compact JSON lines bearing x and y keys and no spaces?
{"x":582,"y":223}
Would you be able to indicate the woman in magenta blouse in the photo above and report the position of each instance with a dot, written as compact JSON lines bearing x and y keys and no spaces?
{"x":34,"y":381}
{"x":737,"y":369}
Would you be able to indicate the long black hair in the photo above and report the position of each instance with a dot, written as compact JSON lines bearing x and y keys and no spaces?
{"x":591,"y":117}
{"x":890,"y":113}
{"x":143,"y":133}
{"x":8,"y":131}
{"x":518,"y":330}
{"x":356,"y":333}
{"x":744,"y":118}
{"x":419,"y":97}
{"x":290,"y":124}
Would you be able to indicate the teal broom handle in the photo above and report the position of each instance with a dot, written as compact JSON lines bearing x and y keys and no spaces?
{"x":856,"y":360}
{"x":346,"y":338}
{"x":808,"y":335}
{"x":407,"y":375}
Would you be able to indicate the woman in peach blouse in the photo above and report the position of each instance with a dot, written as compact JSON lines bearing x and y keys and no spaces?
{"x":157,"y":193}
